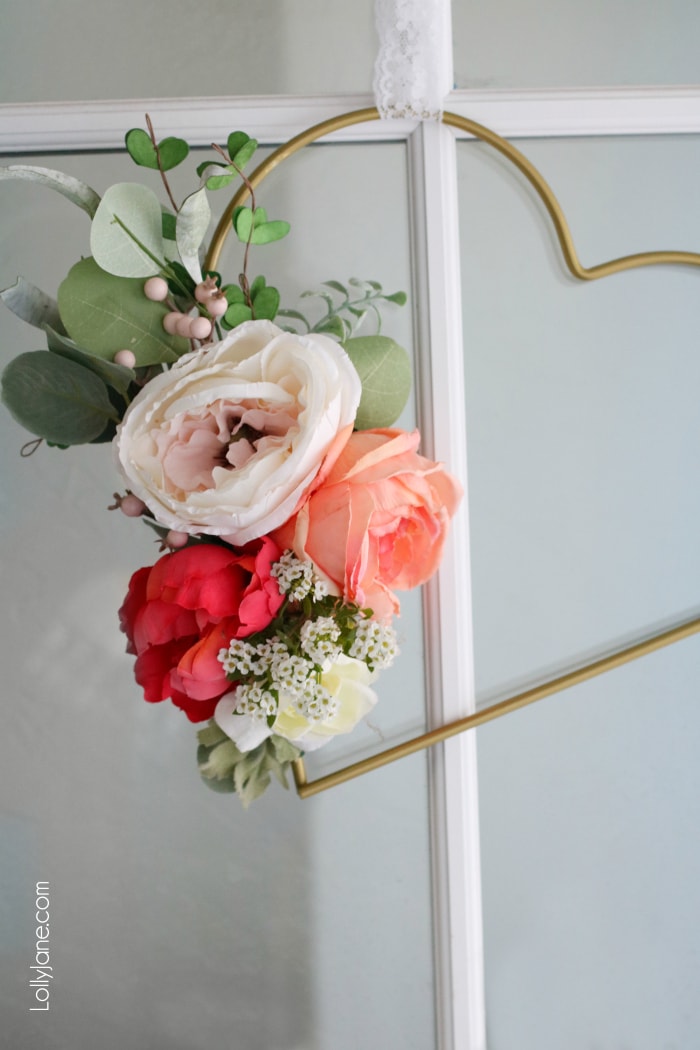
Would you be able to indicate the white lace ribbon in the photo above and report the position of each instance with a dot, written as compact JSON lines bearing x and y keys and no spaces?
{"x":413,"y":69}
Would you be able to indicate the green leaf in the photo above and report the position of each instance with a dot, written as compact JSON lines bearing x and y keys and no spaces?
{"x":244,"y":220}
{"x":243,"y":155}
{"x":234,"y":294}
{"x":104,"y":314}
{"x":168,"y":227}
{"x":172,"y":152}
{"x":116,"y":376}
{"x":75,"y":190}
{"x":296,"y":316}
{"x":192,"y":225}
{"x":218,"y":182}
{"x":385,"y":371}
{"x":141,"y":149}
{"x":31,"y":304}
{"x":270,"y":231}
{"x":210,"y":735}
{"x":236,"y":141}
{"x":55,"y":398}
{"x":201,"y":168}
{"x":332,"y":326}
{"x":236,"y":314}
{"x":127,"y":232}
{"x":179,"y":281}
{"x":398,"y":297}
{"x":266,"y":303}
{"x":257,"y":284}
{"x":337,"y":287}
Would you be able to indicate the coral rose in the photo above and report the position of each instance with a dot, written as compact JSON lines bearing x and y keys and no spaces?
{"x":181,"y":611}
{"x":229,"y":440}
{"x":378,"y":521}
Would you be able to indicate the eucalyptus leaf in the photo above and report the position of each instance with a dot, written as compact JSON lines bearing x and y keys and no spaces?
{"x":75,"y":190}
{"x":257,"y":284}
{"x":244,"y":221}
{"x":234,"y":294}
{"x":243,"y":155}
{"x":207,"y":164}
{"x":116,"y":376}
{"x":385,"y":371}
{"x":236,"y":141}
{"x":104,"y":314}
{"x":168,"y":225}
{"x":126,"y":237}
{"x":266,"y":303}
{"x":191,"y":229}
{"x":56,"y":399}
{"x":31,"y":304}
{"x":236,"y":314}
{"x":267,"y":232}
{"x":219,"y":181}
{"x":141,"y":149}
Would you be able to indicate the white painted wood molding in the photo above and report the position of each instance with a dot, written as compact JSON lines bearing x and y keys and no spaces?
{"x":448,"y":615}
{"x":97,"y":125}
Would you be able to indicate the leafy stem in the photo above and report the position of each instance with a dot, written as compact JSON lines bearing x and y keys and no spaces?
{"x":242,"y":277}
{"x":152,"y":134}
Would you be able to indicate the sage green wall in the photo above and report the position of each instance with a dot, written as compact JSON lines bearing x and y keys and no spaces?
{"x":583,"y":450}
{"x":171,"y":48}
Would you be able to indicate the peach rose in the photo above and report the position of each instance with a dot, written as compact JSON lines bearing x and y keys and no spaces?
{"x":378,"y":521}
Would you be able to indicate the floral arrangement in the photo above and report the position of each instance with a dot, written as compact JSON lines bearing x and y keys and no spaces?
{"x":288,"y":509}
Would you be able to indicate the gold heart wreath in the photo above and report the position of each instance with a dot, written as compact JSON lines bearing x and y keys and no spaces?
{"x":305,"y":788}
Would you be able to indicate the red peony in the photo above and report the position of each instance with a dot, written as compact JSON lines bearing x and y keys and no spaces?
{"x":181,"y":611}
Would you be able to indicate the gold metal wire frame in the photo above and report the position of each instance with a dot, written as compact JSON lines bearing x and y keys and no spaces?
{"x":306,"y":788}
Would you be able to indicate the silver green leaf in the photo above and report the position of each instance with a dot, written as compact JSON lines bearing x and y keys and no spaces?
{"x":126,"y":238}
{"x":385,"y":371}
{"x":56,"y":399}
{"x":68,"y":186}
{"x":191,"y":228}
{"x":31,"y":304}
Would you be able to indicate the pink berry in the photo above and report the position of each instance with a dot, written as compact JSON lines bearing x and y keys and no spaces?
{"x":200,"y":328}
{"x":126,"y":358}
{"x":170,"y":322}
{"x":156,"y":289}
{"x":176,"y":539}
{"x":132,"y":506}
{"x":183,"y":326}
{"x":217,"y":306}
{"x":205,"y":289}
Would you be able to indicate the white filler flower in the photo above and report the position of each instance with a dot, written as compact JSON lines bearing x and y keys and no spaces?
{"x":229,"y":440}
{"x":345,"y":680}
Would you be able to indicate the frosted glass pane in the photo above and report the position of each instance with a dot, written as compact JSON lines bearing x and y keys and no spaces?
{"x":560,"y":43}
{"x":177,"y":918}
{"x":168,"y":48}
{"x":583,"y":453}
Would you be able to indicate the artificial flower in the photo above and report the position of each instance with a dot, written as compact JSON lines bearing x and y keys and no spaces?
{"x":346,"y":679}
{"x":378,"y":521}
{"x":179,"y":612}
{"x":230,"y":440}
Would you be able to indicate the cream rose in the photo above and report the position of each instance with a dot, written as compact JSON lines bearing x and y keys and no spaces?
{"x":346,"y":679}
{"x":230,"y":440}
